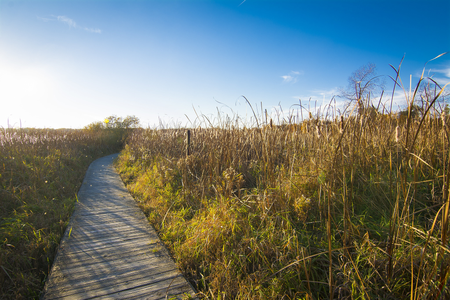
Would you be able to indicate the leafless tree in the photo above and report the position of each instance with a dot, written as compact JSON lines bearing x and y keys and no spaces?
{"x":363,"y":84}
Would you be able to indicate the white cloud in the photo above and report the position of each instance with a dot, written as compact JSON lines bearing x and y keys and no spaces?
{"x":45,"y":19}
{"x":94,"y":30}
{"x":443,"y":75}
{"x":319,"y":95}
{"x":67,"y":21}
{"x":326,"y":93}
{"x":441,"y":80}
{"x":71,"y":23}
{"x":445,"y":72}
{"x":287,"y":78}
{"x":292,"y":76}
{"x":322,"y":102}
{"x":396,"y":101}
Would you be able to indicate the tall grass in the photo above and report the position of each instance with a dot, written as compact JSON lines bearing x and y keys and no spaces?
{"x":337,"y":206}
{"x":41,"y":171}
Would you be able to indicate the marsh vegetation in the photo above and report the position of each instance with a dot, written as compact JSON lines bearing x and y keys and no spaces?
{"x":41,"y":171}
{"x":345,"y":205}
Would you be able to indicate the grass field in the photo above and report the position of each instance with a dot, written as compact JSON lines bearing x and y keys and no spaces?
{"x":41,"y":171}
{"x":344,"y":206}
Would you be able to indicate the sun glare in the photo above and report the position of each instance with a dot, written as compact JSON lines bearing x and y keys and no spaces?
{"x":25,"y":91}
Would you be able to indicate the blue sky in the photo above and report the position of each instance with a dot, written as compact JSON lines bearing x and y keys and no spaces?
{"x":65,"y":64}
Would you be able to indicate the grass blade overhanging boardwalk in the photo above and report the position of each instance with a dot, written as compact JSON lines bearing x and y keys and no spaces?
{"x":109,"y":250}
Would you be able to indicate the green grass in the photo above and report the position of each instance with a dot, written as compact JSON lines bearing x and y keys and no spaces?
{"x":352,"y":206}
{"x":41,"y":171}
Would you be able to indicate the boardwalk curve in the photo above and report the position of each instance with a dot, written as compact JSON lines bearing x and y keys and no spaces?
{"x":109,"y":250}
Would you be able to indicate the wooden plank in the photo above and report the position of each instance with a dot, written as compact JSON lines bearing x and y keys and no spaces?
{"x":121,"y":246}
{"x":101,"y":266}
{"x":123,"y":233}
{"x":109,"y":250}
{"x":104,"y":235}
{"x":75,"y":261}
{"x":73,"y":278}
{"x":106,"y":287}
{"x":169,"y":287}
{"x":87,"y":256}
{"x":124,"y":274}
{"x":114,"y":282}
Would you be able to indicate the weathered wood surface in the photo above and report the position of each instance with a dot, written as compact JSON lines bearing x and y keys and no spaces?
{"x":109,"y":251}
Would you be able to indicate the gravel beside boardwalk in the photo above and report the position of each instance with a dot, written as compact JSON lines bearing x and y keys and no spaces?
{"x":109,"y":251}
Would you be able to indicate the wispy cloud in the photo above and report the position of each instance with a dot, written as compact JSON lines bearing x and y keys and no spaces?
{"x":287,"y":78}
{"x":94,"y":30}
{"x":71,"y":23}
{"x":441,"y":76}
{"x":396,"y":101}
{"x":446,"y":72}
{"x":326,"y":94}
{"x":242,"y":3}
{"x":292,"y":76}
{"x":67,"y":21}
{"x":319,"y":95}
{"x":318,"y":100}
{"x":45,"y":19}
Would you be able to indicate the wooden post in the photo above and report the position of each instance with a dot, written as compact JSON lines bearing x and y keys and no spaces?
{"x":188,"y":143}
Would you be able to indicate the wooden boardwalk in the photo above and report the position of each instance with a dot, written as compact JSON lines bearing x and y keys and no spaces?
{"x":109,"y":251}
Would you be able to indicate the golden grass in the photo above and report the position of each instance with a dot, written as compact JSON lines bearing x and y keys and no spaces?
{"x":346,"y":207}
